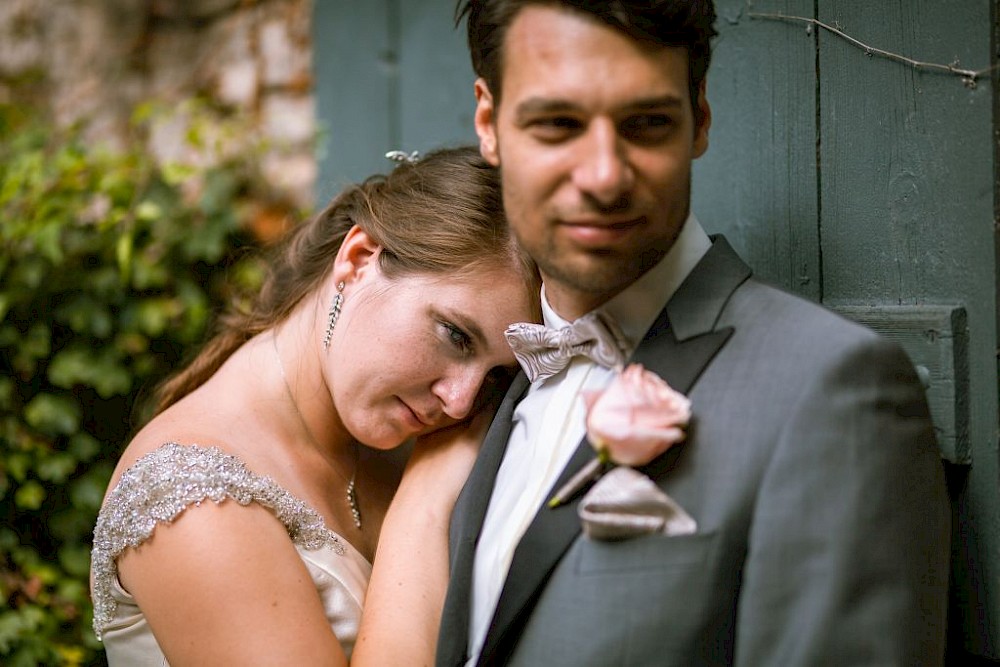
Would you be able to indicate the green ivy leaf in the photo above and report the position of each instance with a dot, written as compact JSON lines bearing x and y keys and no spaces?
{"x":176,"y":173}
{"x":15,"y":623}
{"x":29,"y":272}
{"x":29,"y":496}
{"x":86,"y":315}
{"x":18,"y":464}
{"x":9,"y":336}
{"x":74,"y":589}
{"x":155,"y":314}
{"x":56,"y":468}
{"x":35,"y":345}
{"x":6,"y":393}
{"x":47,"y":240}
{"x":149,"y":272}
{"x":8,"y":539}
{"x":70,"y":656}
{"x":123,"y":253}
{"x":87,"y":492}
{"x":195,"y":309}
{"x":75,"y":559}
{"x":101,"y":370}
{"x":148,"y":210}
{"x":209,"y":243}
{"x":70,"y":526}
{"x":84,"y":446}
{"x":42,"y":569}
{"x":87,"y":310}
{"x":56,"y":415}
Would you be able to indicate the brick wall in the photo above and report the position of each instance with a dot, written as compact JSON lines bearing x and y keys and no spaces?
{"x":94,"y":60}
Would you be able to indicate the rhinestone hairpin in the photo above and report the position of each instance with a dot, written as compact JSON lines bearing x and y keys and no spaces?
{"x":403,"y":156}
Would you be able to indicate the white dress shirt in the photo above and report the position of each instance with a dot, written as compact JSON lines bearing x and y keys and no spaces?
{"x":548,"y":425}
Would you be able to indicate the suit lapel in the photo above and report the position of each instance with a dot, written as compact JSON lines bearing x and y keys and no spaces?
{"x":678,"y":347}
{"x":466,"y":525}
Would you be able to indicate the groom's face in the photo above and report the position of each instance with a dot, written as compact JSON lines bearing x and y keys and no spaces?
{"x":594,"y":134}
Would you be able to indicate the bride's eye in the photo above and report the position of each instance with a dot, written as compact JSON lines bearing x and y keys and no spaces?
{"x":461,"y":340}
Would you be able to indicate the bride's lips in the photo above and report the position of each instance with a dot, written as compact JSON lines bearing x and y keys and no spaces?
{"x":412,"y":418}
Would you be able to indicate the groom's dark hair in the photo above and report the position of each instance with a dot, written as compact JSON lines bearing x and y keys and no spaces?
{"x":686,"y":23}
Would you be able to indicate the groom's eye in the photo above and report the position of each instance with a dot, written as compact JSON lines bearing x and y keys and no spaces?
{"x":647,"y":127}
{"x":555,"y":128}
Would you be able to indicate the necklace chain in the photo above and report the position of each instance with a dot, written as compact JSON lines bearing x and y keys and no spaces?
{"x":352,"y":495}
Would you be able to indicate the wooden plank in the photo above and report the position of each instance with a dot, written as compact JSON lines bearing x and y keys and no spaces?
{"x":436,"y":78}
{"x":757,"y":182}
{"x":391,"y":74}
{"x":907,"y":178}
{"x":936,"y":339}
{"x":354,"y":62}
{"x":906,"y":184}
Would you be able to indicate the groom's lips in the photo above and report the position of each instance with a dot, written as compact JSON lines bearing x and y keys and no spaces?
{"x":601,"y":232}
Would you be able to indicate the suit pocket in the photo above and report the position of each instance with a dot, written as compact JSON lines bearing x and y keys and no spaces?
{"x":650,"y":552}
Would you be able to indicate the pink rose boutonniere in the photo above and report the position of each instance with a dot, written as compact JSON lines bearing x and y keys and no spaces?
{"x":631,"y":422}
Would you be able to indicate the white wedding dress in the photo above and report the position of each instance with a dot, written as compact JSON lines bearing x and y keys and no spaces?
{"x":174,"y":478}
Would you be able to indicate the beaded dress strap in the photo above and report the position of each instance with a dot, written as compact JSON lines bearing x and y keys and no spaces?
{"x":168,"y":480}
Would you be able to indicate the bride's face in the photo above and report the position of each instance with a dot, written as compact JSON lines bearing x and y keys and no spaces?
{"x":411,"y":355}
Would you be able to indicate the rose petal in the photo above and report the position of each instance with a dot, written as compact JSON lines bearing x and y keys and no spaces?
{"x":637,"y":417}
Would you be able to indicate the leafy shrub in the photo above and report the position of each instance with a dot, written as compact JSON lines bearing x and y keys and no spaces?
{"x":111,"y":267}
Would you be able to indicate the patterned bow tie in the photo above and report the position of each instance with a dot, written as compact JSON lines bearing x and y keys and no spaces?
{"x":543,"y":351}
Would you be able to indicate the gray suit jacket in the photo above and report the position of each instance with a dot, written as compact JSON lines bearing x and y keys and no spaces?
{"x":811,"y":469}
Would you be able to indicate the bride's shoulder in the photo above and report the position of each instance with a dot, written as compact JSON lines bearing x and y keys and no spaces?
{"x":180,"y":438}
{"x":180,"y":473}
{"x":155,"y":486}
{"x":172,"y":477}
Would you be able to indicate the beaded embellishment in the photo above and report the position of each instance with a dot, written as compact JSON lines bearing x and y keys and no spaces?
{"x":168,"y":480}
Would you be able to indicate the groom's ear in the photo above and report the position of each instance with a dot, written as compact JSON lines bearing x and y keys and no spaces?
{"x":358,"y":256}
{"x":702,"y":121}
{"x":485,"y":121}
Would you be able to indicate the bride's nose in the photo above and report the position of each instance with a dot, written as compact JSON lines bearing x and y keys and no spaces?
{"x":457,"y":391}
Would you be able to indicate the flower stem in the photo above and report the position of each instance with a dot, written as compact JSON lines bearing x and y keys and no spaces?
{"x":587,"y":473}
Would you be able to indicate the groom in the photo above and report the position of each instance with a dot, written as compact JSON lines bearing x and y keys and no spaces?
{"x":809,"y":469}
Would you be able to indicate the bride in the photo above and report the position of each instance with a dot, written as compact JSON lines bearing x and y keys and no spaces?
{"x":244,"y":521}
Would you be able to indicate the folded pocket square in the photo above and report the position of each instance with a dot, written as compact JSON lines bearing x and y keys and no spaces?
{"x":625,"y":503}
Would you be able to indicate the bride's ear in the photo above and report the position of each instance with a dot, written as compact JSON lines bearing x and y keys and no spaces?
{"x":358,"y":255}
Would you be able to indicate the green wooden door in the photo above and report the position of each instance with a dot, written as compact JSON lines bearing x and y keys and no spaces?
{"x":838,"y":171}
{"x":390,"y":75}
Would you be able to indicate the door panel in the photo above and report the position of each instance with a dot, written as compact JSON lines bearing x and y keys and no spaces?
{"x":847,"y":177}
{"x":757,"y":182}
{"x":390,"y":75}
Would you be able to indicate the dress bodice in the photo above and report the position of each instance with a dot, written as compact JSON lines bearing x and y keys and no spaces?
{"x":174,"y":478}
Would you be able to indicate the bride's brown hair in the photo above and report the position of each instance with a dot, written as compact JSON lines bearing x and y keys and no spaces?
{"x":440,"y":215}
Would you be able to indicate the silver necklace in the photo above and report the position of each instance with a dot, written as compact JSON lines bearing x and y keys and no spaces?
{"x":352,"y":496}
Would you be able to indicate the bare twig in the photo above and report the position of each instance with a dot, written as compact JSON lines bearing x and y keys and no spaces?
{"x":969,"y":76}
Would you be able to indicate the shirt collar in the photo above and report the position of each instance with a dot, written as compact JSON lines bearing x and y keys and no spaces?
{"x":635,"y":308}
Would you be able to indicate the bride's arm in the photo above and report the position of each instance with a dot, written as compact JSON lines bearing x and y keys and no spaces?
{"x":403,"y":605}
{"x":223,"y":585}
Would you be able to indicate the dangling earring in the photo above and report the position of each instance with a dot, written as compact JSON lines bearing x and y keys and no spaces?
{"x":338,"y":300}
